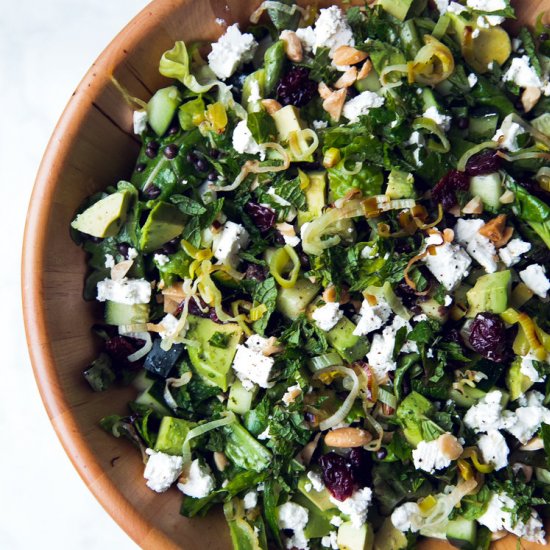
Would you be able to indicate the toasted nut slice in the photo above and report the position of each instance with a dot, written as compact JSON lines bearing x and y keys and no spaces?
{"x":347,"y":79}
{"x":475,"y":206}
{"x":334,"y":104}
{"x":220,"y":460}
{"x":508,"y":197}
{"x":271,"y":106}
{"x":346,"y":55}
{"x":536,"y":444}
{"x":329,"y":294}
{"x":448,"y":235}
{"x":449,"y":446}
{"x":324,"y":90}
{"x":455,"y":211}
{"x":291,"y":395}
{"x":292,"y":46}
{"x":272,"y":347}
{"x":365,"y":70}
{"x":530,"y":98}
{"x":506,"y":236}
{"x":347,"y":437}
{"x":497,"y":535}
{"x":494,"y":229}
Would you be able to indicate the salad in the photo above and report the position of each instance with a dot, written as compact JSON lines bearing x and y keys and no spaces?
{"x":327,"y":277}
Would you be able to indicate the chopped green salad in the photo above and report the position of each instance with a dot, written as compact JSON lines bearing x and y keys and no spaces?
{"x":327,"y":277}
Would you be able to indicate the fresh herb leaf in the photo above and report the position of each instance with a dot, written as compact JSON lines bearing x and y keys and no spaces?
{"x":220,"y":339}
{"x":265,"y":293}
{"x":187,"y":205}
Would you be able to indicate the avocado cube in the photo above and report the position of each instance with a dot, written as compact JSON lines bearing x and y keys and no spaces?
{"x":162,"y":107}
{"x":400,"y":185}
{"x":164,"y":223}
{"x":212,"y":363}
{"x":517,"y":382}
{"x":287,"y":120}
{"x":292,"y":302}
{"x":350,"y":347}
{"x":389,"y":538}
{"x":411,"y":411}
{"x":172,"y":434}
{"x":105,"y":217}
{"x":321,"y":499}
{"x":161,"y":362}
{"x":355,"y":538}
{"x":490,"y":293}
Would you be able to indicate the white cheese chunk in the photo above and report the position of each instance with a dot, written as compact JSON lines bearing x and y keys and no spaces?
{"x":450,"y":263}
{"x":443,"y":121}
{"x":534,"y":276}
{"x":472,"y":80}
{"x":332,"y":30}
{"x":522,"y":73}
{"x":326,"y":317}
{"x":231,"y":50}
{"x":199,"y":482}
{"x":487,"y":5}
{"x":161,"y":259}
{"x":124,"y":291}
{"x":494,"y":449}
{"x":407,"y":517}
{"x":355,"y":506}
{"x":372,"y":317}
{"x":161,"y":470}
{"x":508,"y":133}
{"x":251,"y":366}
{"x":511,"y":253}
{"x":244,"y":142}
{"x":316,"y":481}
{"x":250,"y":500}
{"x":229,"y":242}
{"x":486,"y":415}
{"x":140,"y":120}
{"x":429,"y":457}
{"x":361,"y":104}
{"x":528,"y":369}
{"x":109,"y":261}
{"x":525,"y":422}
{"x":330,"y":540}
{"x":479,"y":247}
{"x":294,"y":517}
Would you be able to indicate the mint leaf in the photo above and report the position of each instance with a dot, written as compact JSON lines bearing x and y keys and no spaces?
{"x":265,"y":293}
{"x":187,"y":205}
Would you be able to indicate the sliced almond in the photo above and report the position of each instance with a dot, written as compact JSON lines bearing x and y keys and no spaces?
{"x":272,"y":347}
{"x":530,"y":98}
{"x":508,"y":197}
{"x":220,"y":460}
{"x":506,"y":236}
{"x":494,"y":229}
{"x":346,"y":55}
{"x":271,"y":106}
{"x":497,"y":535}
{"x":475,"y":206}
{"x":324,"y":90}
{"x":535,"y":444}
{"x":292,"y":46}
{"x":334,"y":104}
{"x":347,"y":438}
{"x":329,"y":294}
{"x":347,"y":79}
{"x":449,"y":446}
{"x":365,"y":70}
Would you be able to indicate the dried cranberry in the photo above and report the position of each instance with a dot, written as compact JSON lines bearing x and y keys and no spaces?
{"x":295,"y":88}
{"x":337,"y":475}
{"x":194,"y":309}
{"x":152,"y":192}
{"x":119,"y":347}
{"x":255,"y":272}
{"x":483,"y":163}
{"x":445,"y":190}
{"x":488,"y":336}
{"x":123,"y":249}
{"x":263,"y":216}
{"x":304,"y":260}
{"x":407,"y":294}
{"x":359,"y":460}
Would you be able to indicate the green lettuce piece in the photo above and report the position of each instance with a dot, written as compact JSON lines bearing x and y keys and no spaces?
{"x":368,"y":180}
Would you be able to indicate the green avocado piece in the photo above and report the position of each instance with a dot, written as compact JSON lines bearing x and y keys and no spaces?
{"x":287,"y":120}
{"x":490,"y":293}
{"x":162,"y":107}
{"x":542,"y":124}
{"x":211,"y":362}
{"x":389,"y":538}
{"x":355,"y":538}
{"x":126,"y":314}
{"x":165,"y":222}
{"x":254,"y":80}
{"x":318,"y":522}
{"x":172,"y":434}
{"x":467,"y":397}
{"x":350,"y":347}
{"x":462,"y":533}
{"x":320,"y":499}
{"x":400,"y":185}
{"x":397,"y":8}
{"x":105,"y":217}
{"x":410,"y":412}
{"x":517,"y":382}
{"x":315,"y":197}
{"x":292,"y":302}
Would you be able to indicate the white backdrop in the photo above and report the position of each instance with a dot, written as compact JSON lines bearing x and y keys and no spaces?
{"x":46,"y":46}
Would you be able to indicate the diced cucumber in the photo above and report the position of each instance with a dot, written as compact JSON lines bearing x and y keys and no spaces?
{"x":397,"y":8}
{"x":321,"y":499}
{"x":126,"y":314}
{"x":467,"y":398}
{"x":153,"y":398}
{"x":370,"y":83}
{"x":429,"y":100}
{"x":292,"y":302}
{"x":433,"y":309}
{"x":162,"y":108}
{"x":315,"y":194}
{"x":483,"y":124}
{"x":350,"y":347}
{"x":240,"y":399}
{"x":488,"y":188}
{"x":542,"y":124}
{"x":172,"y":434}
{"x":462,"y":533}
{"x":351,"y":537}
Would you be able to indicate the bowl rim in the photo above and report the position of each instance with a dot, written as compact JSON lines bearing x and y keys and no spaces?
{"x":139,"y":529}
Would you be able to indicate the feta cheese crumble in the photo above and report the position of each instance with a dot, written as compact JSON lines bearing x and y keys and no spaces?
{"x":132,"y":253}
{"x":161,"y":259}
{"x":479,"y":247}
{"x":494,"y":449}
{"x":525,"y":422}
{"x":316,"y":481}
{"x":330,"y":540}
{"x":444,"y":121}
{"x":294,"y":517}
{"x":528,"y":369}
{"x":320,"y":124}
{"x":507,"y":134}
{"x":161,"y":470}
{"x":445,"y":6}
{"x":407,"y":517}
{"x":487,"y":5}
{"x":124,"y":291}
{"x":450,"y":263}
{"x":170,"y":327}
{"x":355,"y":506}
{"x":326,"y":317}
{"x":429,"y":457}
{"x":331,"y":31}
{"x":511,"y":253}
{"x":244,"y":142}
{"x":486,"y":415}
{"x":109,"y":261}
{"x":360,"y":105}
{"x":472,"y":80}
{"x":251,"y":366}
{"x":231,"y":50}
{"x":199,"y":482}
{"x":534,"y":276}
{"x":140,"y":120}
{"x":229,"y":242}
{"x":250,"y":500}
{"x":522,"y":74}
{"x":372,"y":317}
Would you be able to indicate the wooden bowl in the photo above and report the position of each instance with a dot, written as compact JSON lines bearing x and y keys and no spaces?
{"x":92,"y":147}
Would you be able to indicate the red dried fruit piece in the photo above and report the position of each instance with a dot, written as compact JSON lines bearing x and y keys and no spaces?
{"x":263,"y":216}
{"x":119,"y":348}
{"x":337,"y":475}
{"x":445,"y":190}
{"x":488,"y":336}
{"x":295,"y":88}
{"x":483,"y":163}
{"x":359,"y":460}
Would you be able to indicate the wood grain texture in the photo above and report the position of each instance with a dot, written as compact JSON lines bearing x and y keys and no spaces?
{"x":92,"y":147}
